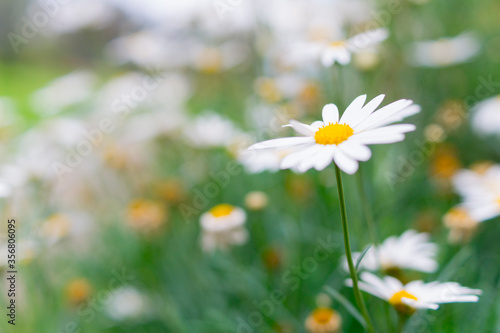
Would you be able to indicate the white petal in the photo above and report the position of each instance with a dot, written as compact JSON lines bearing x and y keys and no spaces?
{"x":282,"y":143}
{"x":409,"y":111}
{"x":311,"y":160}
{"x":367,"y":38}
{"x":392,"y":129}
{"x":293,"y":159}
{"x":353,"y":110}
{"x":419,"y":305}
{"x":343,"y":56}
{"x":317,"y":124}
{"x":355,"y":150}
{"x":344,"y":162}
{"x":367,"y":138}
{"x":367,"y":110}
{"x":301,"y":128}
{"x":330,"y":114}
{"x":324,"y":160}
{"x":328,"y":57}
{"x":385,"y":112}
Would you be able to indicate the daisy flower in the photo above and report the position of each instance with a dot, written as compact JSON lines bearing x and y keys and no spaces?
{"x":323,"y":320}
{"x":486,"y":117}
{"x":222,"y":226}
{"x":343,"y":141}
{"x":445,"y":51}
{"x":126,"y":303}
{"x":338,"y":51}
{"x":461,"y":224}
{"x":406,"y":299}
{"x":412,"y":250}
{"x":480,"y":191}
{"x":210,"y":130}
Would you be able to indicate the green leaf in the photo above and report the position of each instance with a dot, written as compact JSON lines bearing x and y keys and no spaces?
{"x":346,"y":304}
{"x":362,"y":255}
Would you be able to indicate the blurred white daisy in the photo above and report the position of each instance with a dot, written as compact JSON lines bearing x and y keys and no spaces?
{"x":222,"y":226}
{"x":260,"y":161}
{"x":406,"y":299}
{"x":445,"y":51}
{"x":480,"y":192}
{"x":126,"y":303}
{"x":411,"y":250}
{"x":344,"y":141}
{"x":27,"y":250}
{"x":63,"y":92}
{"x":323,"y":320}
{"x":461,"y":224}
{"x":486,"y":117}
{"x":339,"y":51}
{"x":8,"y":112}
{"x":215,"y":59}
{"x":210,"y":130}
{"x":80,"y":14}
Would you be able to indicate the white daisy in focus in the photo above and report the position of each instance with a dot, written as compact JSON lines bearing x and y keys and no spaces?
{"x":445,"y":51}
{"x":406,"y":299}
{"x":411,"y":250}
{"x":339,"y":51}
{"x":210,"y":130}
{"x":126,"y":303}
{"x":343,"y":141}
{"x":486,"y":117}
{"x":222,"y":226}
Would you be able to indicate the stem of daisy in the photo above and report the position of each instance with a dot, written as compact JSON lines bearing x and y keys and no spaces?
{"x":402,"y":319}
{"x":340,"y":92}
{"x":366,"y":207}
{"x":347,"y":244}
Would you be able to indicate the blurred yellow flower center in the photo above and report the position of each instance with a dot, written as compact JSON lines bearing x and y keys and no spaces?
{"x":339,"y":43}
{"x":210,"y":61}
{"x":222,"y":210}
{"x":333,"y":134}
{"x":323,"y":315}
{"x":396,"y":299}
{"x":268,"y":90}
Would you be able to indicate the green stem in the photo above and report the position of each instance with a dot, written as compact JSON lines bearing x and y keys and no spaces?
{"x":366,"y":207}
{"x":340,"y":93}
{"x":402,"y":319}
{"x":357,"y":293}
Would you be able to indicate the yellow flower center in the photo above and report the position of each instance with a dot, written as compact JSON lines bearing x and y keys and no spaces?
{"x":333,"y":134}
{"x":322,"y":315}
{"x":397,"y":303}
{"x":221,"y":210}
{"x":339,"y":43}
{"x":268,"y":90}
{"x":396,"y":298}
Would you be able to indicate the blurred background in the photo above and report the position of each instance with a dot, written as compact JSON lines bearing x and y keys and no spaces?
{"x":122,"y":122}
